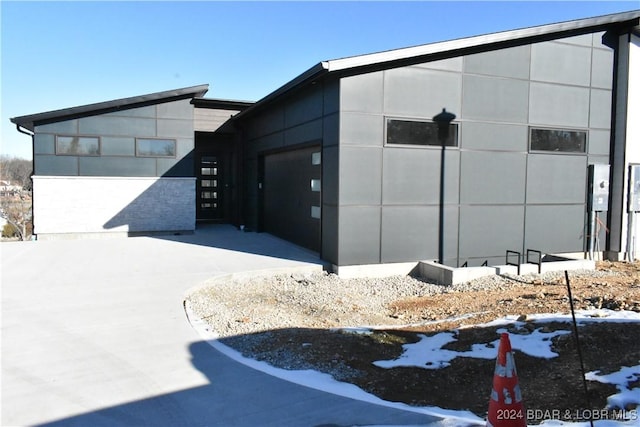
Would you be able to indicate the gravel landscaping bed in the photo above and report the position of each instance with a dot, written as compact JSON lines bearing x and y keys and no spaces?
{"x":302,"y":321}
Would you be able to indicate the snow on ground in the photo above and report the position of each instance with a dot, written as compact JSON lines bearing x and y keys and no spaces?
{"x":621,"y":379}
{"x":428,"y":353}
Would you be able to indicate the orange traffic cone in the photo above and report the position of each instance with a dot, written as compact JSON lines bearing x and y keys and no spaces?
{"x":505,"y":407}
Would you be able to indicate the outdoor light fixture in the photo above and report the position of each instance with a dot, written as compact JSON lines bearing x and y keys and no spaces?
{"x":443,"y":120}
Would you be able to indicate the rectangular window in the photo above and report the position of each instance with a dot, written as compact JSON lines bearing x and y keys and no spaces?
{"x":315,"y":212}
{"x":414,"y":132}
{"x":316,"y":158}
{"x":155,"y":147}
{"x":558,"y":140}
{"x":78,"y":146}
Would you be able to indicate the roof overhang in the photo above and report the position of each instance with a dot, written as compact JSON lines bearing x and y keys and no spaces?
{"x":31,"y":121}
{"x":627,"y":21}
{"x":620,"y":22}
{"x":221,"y":104}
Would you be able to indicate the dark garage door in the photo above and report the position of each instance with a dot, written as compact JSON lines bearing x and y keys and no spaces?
{"x":291,"y":196}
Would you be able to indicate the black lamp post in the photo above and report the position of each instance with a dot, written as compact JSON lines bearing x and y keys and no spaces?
{"x":443,"y":120}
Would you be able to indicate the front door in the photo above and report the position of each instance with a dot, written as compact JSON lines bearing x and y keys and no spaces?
{"x":210,"y":187}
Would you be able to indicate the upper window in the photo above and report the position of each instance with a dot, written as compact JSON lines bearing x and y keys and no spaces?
{"x":78,"y":145}
{"x":155,"y":147}
{"x":558,"y":140}
{"x":413,"y":132}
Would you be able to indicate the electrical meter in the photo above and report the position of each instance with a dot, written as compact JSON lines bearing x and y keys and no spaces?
{"x":634,"y":188}
{"x":599,"y":187}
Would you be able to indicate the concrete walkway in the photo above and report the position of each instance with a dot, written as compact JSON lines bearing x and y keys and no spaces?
{"x":94,"y":334}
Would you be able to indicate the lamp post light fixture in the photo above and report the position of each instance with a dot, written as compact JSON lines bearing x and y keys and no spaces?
{"x":443,"y":120}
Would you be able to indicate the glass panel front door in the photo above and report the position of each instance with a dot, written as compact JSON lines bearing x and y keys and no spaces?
{"x":210,"y":188}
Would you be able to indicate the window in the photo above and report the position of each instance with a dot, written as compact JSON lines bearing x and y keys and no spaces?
{"x":78,"y":146}
{"x":413,"y":132}
{"x":316,"y":158}
{"x":155,"y":147}
{"x":558,"y":140}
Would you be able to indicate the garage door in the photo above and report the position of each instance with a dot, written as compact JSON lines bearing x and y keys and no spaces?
{"x":291,"y":196}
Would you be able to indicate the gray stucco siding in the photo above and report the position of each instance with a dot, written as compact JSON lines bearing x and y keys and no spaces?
{"x":116,"y":166}
{"x":413,"y":91}
{"x":148,"y":112}
{"x":559,"y":105}
{"x":555,"y":226}
{"x":331,"y":130}
{"x":361,"y":129}
{"x":512,"y":62}
{"x":176,"y":110}
{"x":117,"y":126}
{"x":494,"y":99}
{"x":117,"y":132}
{"x":362,"y":92}
{"x":602,"y":68}
{"x":408,"y":233}
{"x":492,"y":177}
{"x":556,"y":179}
{"x":44,"y":144}
{"x":63,"y":127}
{"x":598,"y":142}
{"x":267,"y":122}
{"x":488,"y":231}
{"x":330,"y":183}
{"x":450,"y":64}
{"x":309,"y":117}
{"x":118,"y":146}
{"x":173,"y":128}
{"x":360,"y":176}
{"x":580,"y":40}
{"x":600,"y":109}
{"x":55,"y":165}
{"x":411,"y":176}
{"x":306,"y":132}
{"x":359,"y":235}
{"x":494,"y":136}
{"x":561,"y":63}
{"x":380,"y":203}
{"x":305,"y":107}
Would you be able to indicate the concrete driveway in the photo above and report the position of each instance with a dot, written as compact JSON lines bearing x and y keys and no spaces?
{"x":94,"y":334}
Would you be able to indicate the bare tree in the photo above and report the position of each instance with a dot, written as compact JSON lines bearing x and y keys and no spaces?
{"x":16,"y":171}
{"x":15,"y":194}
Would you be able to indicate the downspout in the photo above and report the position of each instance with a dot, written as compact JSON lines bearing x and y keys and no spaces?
{"x":26,"y":132}
{"x":33,"y":169}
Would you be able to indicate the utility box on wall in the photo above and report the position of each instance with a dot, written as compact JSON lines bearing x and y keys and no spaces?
{"x":634,"y":188}
{"x":598,"y":187}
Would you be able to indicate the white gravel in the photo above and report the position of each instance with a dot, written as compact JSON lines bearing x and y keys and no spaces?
{"x":320,"y":300}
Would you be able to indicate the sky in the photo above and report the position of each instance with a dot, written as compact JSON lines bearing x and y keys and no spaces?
{"x":428,"y":353}
{"x":63,"y":54}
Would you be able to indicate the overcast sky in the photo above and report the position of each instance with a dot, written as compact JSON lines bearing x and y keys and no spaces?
{"x":64,"y":54}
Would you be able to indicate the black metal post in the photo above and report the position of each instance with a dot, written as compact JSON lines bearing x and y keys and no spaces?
{"x":443,"y":120}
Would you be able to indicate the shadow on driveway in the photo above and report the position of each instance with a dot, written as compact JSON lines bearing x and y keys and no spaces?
{"x":240,"y":396}
{"x":225,"y":236}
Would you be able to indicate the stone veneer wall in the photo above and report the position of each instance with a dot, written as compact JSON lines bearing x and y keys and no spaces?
{"x":121,"y":205}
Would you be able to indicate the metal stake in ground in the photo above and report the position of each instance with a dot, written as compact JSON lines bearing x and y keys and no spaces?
{"x":575,"y":332}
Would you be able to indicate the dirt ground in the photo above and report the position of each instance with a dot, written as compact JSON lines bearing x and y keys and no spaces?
{"x":547,"y":384}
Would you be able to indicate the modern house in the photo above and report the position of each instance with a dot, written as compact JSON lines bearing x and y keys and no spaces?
{"x":347,"y":160}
